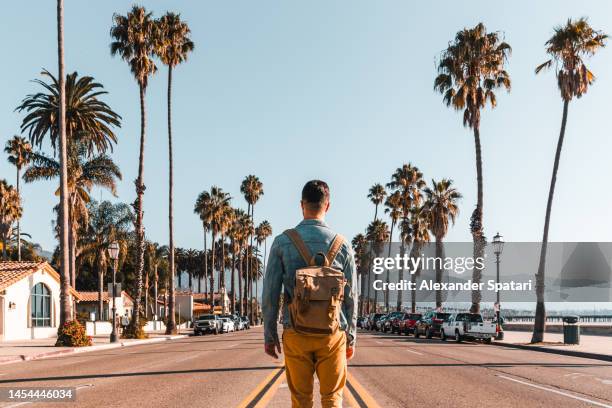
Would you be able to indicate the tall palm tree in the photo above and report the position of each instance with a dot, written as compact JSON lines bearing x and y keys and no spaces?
{"x":220,"y":201}
{"x":442,"y":208}
{"x":262,"y":233}
{"x":408,"y":182}
{"x":173,"y":46}
{"x":419,"y":230}
{"x":83,"y":174}
{"x":201,"y":208}
{"x":18,"y":150}
{"x":135,"y":37}
{"x":252,"y":189}
{"x":567,"y":48}
{"x":377,"y":233}
{"x":108,"y":223}
{"x":65,"y":309}
{"x":245,"y":230}
{"x":10,"y":211}
{"x":359,"y":244}
{"x":376,"y":194}
{"x":393,"y":207}
{"x":470,"y":70}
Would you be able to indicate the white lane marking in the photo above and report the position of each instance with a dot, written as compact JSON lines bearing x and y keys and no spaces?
{"x":413,"y":352}
{"x":604,"y":381}
{"x":232,"y":345}
{"x":565,"y":394}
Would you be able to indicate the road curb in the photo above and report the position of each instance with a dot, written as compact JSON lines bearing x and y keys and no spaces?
{"x":550,"y":350}
{"x":78,"y":350}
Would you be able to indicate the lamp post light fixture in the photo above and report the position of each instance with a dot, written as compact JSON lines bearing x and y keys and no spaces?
{"x":498,"y":248}
{"x":113,"y":254}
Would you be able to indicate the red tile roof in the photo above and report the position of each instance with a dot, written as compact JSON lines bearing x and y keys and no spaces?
{"x":12,"y":272}
{"x":93,"y":296}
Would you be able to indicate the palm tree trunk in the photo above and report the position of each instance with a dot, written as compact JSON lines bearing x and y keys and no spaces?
{"x":100,"y":292}
{"x":414,"y":252}
{"x":233,"y":279}
{"x":439,"y":271}
{"x":212,"y":272}
{"x":171,"y":326}
{"x":65,"y":307}
{"x":388,"y":274}
{"x":140,"y":234}
{"x":248,"y":269}
{"x":476,"y":225}
{"x":72,"y":248}
{"x":540,"y":318}
{"x":398,"y":305}
{"x":205,"y":262}
{"x":240,"y":300}
{"x":18,"y":221}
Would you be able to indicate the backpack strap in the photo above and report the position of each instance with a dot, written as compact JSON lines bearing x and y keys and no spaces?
{"x":299,"y":244}
{"x":334,"y":248}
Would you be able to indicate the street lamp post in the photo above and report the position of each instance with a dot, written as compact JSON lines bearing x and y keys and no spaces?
{"x":113,"y":253}
{"x":498,"y":247}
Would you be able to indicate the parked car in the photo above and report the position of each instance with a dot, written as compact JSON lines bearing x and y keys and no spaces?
{"x":407,"y":322}
{"x":379,"y":324}
{"x":392,"y":321}
{"x":227,"y":325}
{"x":246,"y":322}
{"x":207,"y":324}
{"x":238,"y":323}
{"x":430,"y":324}
{"x":361,"y":322}
{"x":372,"y":319}
{"x":468,"y":326}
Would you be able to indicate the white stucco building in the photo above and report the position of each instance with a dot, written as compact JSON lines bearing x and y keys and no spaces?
{"x":30,"y":300}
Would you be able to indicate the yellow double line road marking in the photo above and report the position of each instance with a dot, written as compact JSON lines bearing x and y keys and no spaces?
{"x":356,"y":396}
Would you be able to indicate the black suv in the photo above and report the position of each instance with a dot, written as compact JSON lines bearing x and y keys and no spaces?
{"x":207,"y":324}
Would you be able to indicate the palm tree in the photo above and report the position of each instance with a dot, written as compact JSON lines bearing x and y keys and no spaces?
{"x":202,"y":205}
{"x":83,"y":174}
{"x":10,"y":211}
{"x":108,"y":223}
{"x":18,"y":150}
{"x":470,"y":70}
{"x":135,"y":36}
{"x":408,"y":182}
{"x":442,"y":207}
{"x":567,"y":48}
{"x":377,"y":195}
{"x":393,"y":205}
{"x":157,"y":262}
{"x":245,"y":230}
{"x":173,"y":46}
{"x":252,"y":189}
{"x":89,"y":123}
{"x":218,"y":206}
{"x":377,"y":233}
{"x":359,"y":244}
{"x":419,"y":229}
{"x":262,"y":233}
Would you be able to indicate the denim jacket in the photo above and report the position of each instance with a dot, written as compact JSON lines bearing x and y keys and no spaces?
{"x":283,"y":261}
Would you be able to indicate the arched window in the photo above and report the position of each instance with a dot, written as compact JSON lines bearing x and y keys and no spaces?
{"x":41,"y":306}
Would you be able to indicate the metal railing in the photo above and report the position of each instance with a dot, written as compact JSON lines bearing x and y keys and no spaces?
{"x":604,"y":319}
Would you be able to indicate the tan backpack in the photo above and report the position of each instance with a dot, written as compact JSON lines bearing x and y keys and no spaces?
{"x":319,"y":290}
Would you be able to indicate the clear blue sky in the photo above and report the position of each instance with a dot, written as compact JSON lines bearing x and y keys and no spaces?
{"x":340,"y":91}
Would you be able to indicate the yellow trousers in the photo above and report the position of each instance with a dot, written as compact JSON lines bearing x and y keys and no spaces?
{"x":306,"y":355}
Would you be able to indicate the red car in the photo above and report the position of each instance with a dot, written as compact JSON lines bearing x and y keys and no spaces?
{"x":407,"y":323}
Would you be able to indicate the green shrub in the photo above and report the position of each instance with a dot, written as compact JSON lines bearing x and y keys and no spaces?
{"x":72,"y":334}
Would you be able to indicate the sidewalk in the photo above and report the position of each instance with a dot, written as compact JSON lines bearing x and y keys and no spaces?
{"x":24,"y":350}
{"x":599,"y":347}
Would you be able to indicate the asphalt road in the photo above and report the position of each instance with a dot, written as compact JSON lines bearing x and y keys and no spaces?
{"x":231,"y":370}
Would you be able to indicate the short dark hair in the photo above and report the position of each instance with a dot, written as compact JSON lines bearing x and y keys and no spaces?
{"x":315,"y":194}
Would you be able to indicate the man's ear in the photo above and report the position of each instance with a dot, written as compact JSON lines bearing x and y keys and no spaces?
{"x":327,"y":206}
